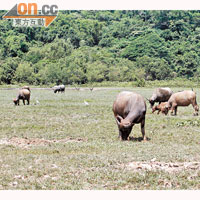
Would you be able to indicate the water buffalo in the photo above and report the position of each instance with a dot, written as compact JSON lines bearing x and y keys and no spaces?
{"x":184,"y":98}
{"x":129,"y":109}
{"x":160,"y":107}
{"x":160,"y":95}
{"x":59,"y":88}
{"x":24,"y":94}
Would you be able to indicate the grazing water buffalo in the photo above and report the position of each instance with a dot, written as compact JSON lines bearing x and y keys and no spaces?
{"x":23,"y":94}
{"x":129,"y":109}
{"x":160,"y":107}
{"x":59,"y":88}
{"x":184,"y":98}
{"x":160,"y":95}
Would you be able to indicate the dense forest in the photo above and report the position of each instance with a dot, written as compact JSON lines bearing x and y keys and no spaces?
{"x":95,"y":46}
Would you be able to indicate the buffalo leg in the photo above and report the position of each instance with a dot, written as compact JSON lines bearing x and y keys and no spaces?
{"x":158,"y":112}
{"x":196,"y":108}
{"x":23,"y":101}
{"x":175,"y":110}
{"x":172,"y":110}
{"x":143,"y":129}
{"x":120,"y":135}
{"x":28,"y":101}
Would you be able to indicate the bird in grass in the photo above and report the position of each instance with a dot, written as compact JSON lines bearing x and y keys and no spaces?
{"x":91,"y":89}
{"x":36,"y":102}
{"x":86,"y":103}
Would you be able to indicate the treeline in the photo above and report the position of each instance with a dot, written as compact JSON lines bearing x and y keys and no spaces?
{"x":95,"y":46}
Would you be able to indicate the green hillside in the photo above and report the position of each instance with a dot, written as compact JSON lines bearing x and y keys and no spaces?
{"x":95,"y":46}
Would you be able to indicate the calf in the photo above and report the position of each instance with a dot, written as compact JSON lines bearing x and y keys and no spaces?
{"x":160,"y":107}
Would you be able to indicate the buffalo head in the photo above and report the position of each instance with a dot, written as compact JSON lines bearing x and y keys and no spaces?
{"x":151,"y":102}
{"x":125,"y":127}
{"x":15,"y":101}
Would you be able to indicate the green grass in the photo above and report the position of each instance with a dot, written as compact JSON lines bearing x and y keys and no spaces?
{"x":82,"y":149}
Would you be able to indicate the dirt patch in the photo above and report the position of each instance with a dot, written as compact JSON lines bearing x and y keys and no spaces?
{"x":26,"y":142}
{"x":163,"y":166}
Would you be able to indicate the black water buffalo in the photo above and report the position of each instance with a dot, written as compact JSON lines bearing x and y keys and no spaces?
{"x":129,"y":109}
{"x":24,"y":94}
{"x":59,"y":88}
{"x":160,"y":95}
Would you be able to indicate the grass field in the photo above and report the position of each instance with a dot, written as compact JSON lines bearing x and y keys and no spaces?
{"x":61,"y":143}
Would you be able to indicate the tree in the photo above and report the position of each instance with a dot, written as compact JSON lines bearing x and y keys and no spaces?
{"x":16,"y":45}
{"x":24,"y":73}
{"x":155,"y":68}
{"x":8,"y":68}
{"x":97,"y":72}
{"x":151,"y":45}
{"x":187,"y":64}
